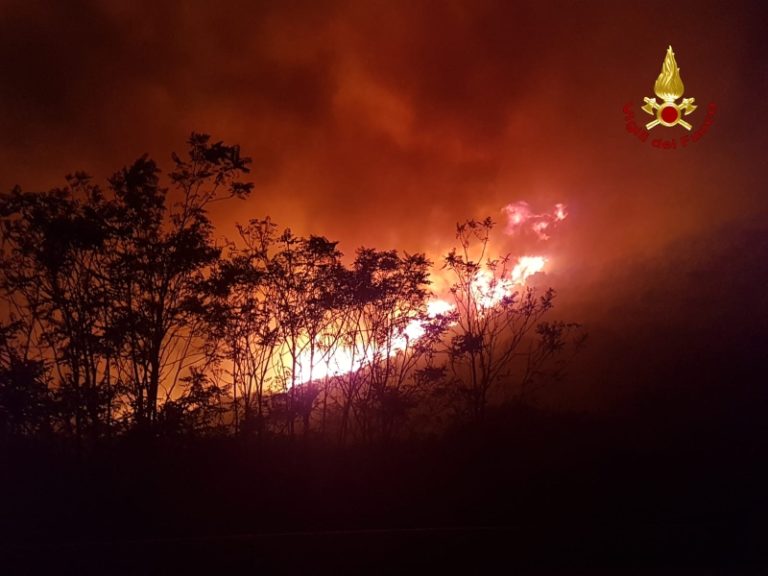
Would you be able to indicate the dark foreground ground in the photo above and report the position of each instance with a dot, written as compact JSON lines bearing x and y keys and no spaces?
{"x":667,"y":549}
{"x":640,"y":492}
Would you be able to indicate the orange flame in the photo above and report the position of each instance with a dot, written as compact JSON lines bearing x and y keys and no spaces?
{"x":521,"y":217}
{"x":488,"y":291}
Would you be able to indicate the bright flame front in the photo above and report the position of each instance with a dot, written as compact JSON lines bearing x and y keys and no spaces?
{"x":488,"y":292}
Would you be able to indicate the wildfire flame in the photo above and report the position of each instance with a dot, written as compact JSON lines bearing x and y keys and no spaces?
{"x":488,"y":291}
{"x":527,"y":266}
{"x":669,"y":87}
{"x":520,"y":217}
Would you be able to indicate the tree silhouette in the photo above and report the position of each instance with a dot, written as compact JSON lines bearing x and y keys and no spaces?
{"x":53,"y":276}
{"x":242,"y":323}
{"x":491,"y":319}
{"x":160,"y":258}
{"x":304,"y":273}
{"x":102,"y":285}
{"x":26,"y":404}
{"x":549,"y":354}
{"x":386,"y":295}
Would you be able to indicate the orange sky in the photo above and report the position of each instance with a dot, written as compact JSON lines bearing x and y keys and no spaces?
{"x":383,"y":123}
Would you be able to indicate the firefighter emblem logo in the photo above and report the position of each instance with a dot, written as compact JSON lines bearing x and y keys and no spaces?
{"x":669,"y":87}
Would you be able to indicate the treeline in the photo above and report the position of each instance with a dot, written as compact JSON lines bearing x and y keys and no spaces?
{"x":123,"y":315}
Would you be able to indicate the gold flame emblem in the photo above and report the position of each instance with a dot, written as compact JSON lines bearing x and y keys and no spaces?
{"x":669,"y":87}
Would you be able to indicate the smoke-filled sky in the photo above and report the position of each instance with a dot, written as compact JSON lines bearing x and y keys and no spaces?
{"x":384,"y":122}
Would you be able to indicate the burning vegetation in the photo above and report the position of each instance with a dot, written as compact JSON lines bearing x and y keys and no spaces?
{"x":124,"y":316}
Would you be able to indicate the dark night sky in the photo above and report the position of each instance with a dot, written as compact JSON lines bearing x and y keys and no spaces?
{"x":383,"y":123}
